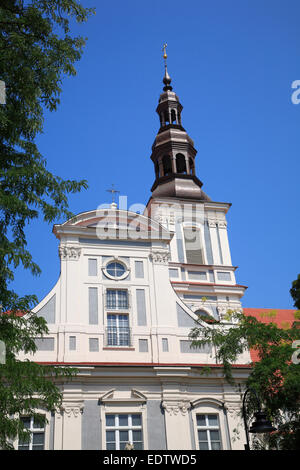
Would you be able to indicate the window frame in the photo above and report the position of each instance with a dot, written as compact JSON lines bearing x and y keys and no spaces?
{"x":199,"y":228}
{"x":112,"y":404}
{"x":117,"y":261}
{"x":208,"y":428}
{"x":117,"y":428}
{"x":118,"y":332}
{"x":207,"y":406}
{"x":46,"y":429}
{"x":117,"y":308}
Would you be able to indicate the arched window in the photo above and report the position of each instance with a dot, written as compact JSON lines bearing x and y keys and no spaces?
{"x":167,"y":119}
{"x":192,"y":166}
{"x":167,"y":165}
{"x":173,"y":116}
{"x":193,"y":245}
{"x":180,"y":163}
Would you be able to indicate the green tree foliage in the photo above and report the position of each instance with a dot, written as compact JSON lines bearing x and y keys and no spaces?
{"x":275,"y":377}
{"x":295,"y":292}
{"x":36,"y":51}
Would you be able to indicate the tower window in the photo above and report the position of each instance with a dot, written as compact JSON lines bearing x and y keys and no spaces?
{"x":173,"y":116}
{"x":192,"y":166}
{"x":193,"y":245}
{"x":167,"y":165}
{"x":180,"y":163}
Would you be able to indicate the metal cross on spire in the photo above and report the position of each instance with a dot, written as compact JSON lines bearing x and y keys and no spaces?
{"x":113,"y":192}
{"x":164,"y":49}
{"x":167,"y":79}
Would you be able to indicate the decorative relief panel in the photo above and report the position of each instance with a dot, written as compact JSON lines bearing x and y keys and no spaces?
{"x":215,"y":222}
{"x":69,"y":252}
{"x":160,"y":256}
{"x":72,"y":410}
{"x":173,"y":408}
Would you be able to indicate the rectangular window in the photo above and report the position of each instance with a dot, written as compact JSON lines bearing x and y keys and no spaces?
{"x":118,"y":331}
{"x":223,"y":276}
{"x":165,"y":345}
{"x":122,"y":429}
{"x":193,"y":245}
{"x":197,"y":275}
{"x":209,"y":436}
{"x":141,"y":307}
{"x":72,"y":343}
{"x":143,"y":345}
{"x":139,"y":269}
{"x":93,"y":306}
{"x":44,"y":344}
{"x":185,"y":347}
{"x":94,"y":344}
{"x":92,"y":267}
{"x":37,"y":438}
{"x":117,"y":299}
{"x":173,"y":272}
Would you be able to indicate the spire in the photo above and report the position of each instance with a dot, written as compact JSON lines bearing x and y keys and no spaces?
{"x":167,"y":78}
{"x":173,"y":152}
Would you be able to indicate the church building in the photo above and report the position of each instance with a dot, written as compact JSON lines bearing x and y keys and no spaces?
{"x":131,"y":287}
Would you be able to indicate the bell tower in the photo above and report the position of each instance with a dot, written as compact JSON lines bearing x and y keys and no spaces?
{"x":173,"y":152}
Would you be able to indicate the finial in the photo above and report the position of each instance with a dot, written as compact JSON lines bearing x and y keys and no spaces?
{"x":167,"y":78}
{"x":113,"y":191}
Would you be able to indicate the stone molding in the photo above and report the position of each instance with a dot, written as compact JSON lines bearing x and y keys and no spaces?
{"x":160,"y":256}
{"x":173,"y":408}
{"x":69,"y":252}
{"x":72,"y":410}
{"x":213,"y":223}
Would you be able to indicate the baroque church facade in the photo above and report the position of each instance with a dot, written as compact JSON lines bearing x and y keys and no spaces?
{"x":130,"y":289}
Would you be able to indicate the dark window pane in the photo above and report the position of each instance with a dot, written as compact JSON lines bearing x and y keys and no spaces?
{"x":213,"y":420}
{"x":214,"y":435}
{"x":123,"y":420}
{"x":110,"y":436}
{"x":136,"y":420}
{"x":138,"y":446}
{"x":24,"y":441}
{"x":38,"y":438}
{"x":38,"y":447}
{"x":26,"y":422}
{"x":124,"y":436}
{"x":203,"y":446}
{"x":202,"y":436}
{"x":137,"y":435}
{"x":23,"y":447}
{"x":216,"y":446}
{"x":201,"y":420}
{"x":111,"y":446}
{"x":123,"y":444}
{"x":110,"y":420}
{"x":37,"y":425}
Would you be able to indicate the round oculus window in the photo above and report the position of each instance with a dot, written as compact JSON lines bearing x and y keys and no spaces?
{"x":115,"y":269}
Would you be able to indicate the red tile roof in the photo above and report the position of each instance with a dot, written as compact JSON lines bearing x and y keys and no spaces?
{"x":283,"y":318}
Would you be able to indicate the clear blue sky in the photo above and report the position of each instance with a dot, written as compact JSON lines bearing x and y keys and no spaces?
{"x":232,"y":63}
